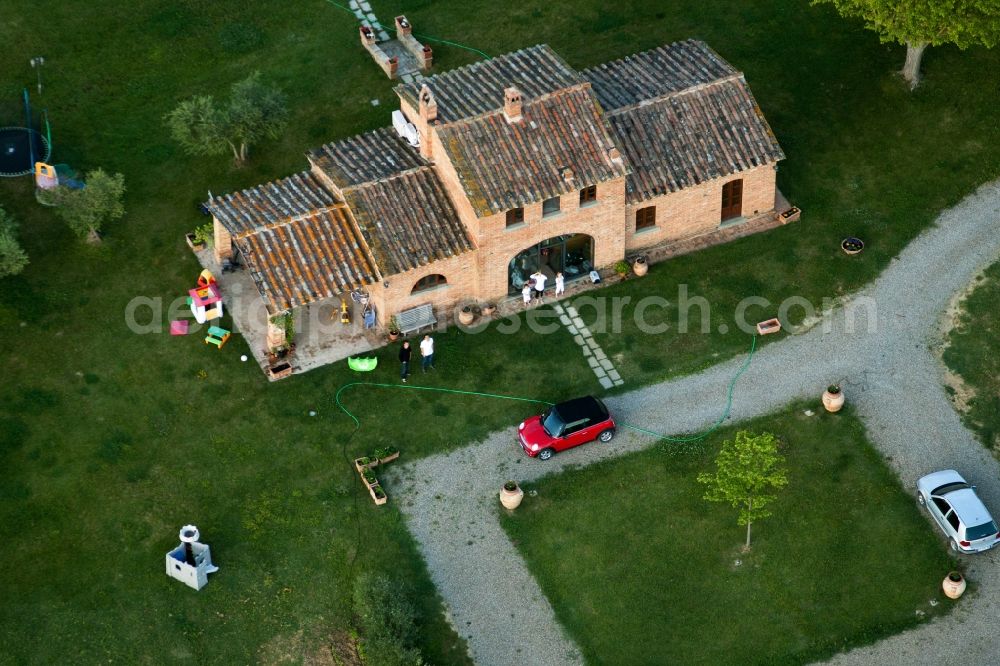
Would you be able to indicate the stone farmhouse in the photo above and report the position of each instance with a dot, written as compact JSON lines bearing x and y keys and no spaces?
{"x":523,"y":164}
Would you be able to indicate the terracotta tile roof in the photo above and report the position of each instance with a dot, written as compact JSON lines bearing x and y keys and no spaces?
{"x":690,"y":137}
{"x":504,"y":165}
{"x":408,"y":221}
{"x":655,"y":73}
{"x":366,"y":158}
{"x":259,"y":207}
{"x":478,"y":88}
{"x":307,"y":258}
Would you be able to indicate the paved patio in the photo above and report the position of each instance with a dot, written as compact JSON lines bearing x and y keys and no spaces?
{"x":320,"y":338}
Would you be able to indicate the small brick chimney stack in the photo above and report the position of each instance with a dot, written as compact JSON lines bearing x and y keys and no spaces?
{"x":512,"y":104}
{"x":567,"y":174}
{"x":403,"y":26}
{"x":428,"y":107}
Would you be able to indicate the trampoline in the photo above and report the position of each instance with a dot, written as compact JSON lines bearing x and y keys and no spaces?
{"x":20,"y":148}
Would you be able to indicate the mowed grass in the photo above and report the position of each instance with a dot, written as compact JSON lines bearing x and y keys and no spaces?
{"x":641,"y":570}
{"x":972,"y":354}
{"x":110,"y":441}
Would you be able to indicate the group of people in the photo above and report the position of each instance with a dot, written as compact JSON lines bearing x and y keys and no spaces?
{"x":426,"y":356}
{"x":534,"y":288}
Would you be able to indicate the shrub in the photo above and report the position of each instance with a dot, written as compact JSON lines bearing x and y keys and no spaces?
{"x":387,"y":621}
{"x":12,"y":257}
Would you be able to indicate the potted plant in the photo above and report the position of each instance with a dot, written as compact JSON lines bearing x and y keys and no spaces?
{"x":833,"y":398}
{"x":466,"y":316}
{"x":640,"y":267}
{"x":363,"y":463}
{"x":202,"y":237}
{"x":488,"y":309}
{"x":511,"y":495}
{"x":377,"y":493}
{"x":386,"y":454}
{"x":953,"y":585}
{"x":852,"y":245}
{"x":393,"y":328}
{"x":621,"y":267}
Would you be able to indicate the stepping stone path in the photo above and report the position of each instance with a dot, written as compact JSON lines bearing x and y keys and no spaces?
{"x":599,"y":362}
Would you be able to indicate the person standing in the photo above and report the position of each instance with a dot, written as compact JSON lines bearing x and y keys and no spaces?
{"x":526,"y":293}
{"x":539,"y":278}
{"x":560,"y":285}
{"x":404,"y":360}
{"x":427,"y":353}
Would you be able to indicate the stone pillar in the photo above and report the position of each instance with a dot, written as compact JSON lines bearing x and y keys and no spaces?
{"x":276,"y":332}
{"x":428,"y":58}
{"x":403,"y":26}
{"x":223,"y":242}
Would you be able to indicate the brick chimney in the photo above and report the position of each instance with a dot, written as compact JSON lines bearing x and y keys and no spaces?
{"x":428,"y":107}
{"x":512,"y":104}
{"x":403,"y":26}
{"x":567,"y":174}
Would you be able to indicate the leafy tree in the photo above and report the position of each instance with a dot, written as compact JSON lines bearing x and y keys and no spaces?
{"x":87,"y":209}
{"x":254,"y":112}
{"x":747,"y":468}
{"x":922,"y":23}
{"x":12,"y":257}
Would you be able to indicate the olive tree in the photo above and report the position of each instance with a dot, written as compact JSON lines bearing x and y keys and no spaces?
{"x":86,"y":210}
{"x":253,"y":112}
{"x":748,"y":469}
{"x":922,"y":23}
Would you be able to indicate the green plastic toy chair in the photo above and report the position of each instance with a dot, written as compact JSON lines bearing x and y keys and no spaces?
{"x":362,"y":364}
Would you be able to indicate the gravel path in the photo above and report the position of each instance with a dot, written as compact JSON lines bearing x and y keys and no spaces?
{"x":888,"y":373}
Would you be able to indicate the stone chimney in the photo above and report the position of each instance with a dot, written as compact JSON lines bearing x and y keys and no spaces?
{"x":403,"y":26}
{"x":512,"y":104}
{"x":428,"y":107}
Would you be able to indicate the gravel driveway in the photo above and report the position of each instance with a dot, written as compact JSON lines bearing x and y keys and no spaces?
{"x":888,"y":373}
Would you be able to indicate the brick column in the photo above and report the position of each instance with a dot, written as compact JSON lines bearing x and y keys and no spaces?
{"x":223,"y":242}
{"x":276,"y":334}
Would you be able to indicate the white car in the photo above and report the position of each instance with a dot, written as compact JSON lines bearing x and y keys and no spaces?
{"x":954,"y":505}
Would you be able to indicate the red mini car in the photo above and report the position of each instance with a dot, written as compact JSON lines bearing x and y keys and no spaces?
{"x":564,"y":426}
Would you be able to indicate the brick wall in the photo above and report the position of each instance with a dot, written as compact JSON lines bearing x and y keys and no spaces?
{"x":697,"y":210}
{"x":223,"y":241}
{"x":462,"y":285}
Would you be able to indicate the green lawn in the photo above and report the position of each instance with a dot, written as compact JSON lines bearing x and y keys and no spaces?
{"x":110,"y":441}
{"x":971,"y":354}
{"x":641,"y":570}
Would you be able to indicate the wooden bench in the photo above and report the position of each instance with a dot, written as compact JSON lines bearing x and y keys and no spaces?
{"x":416,"y":318}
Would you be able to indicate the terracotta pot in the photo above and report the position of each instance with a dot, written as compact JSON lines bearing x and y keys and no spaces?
{"x":393,"y":335}
{"x":953,"y":589}
{"x":488,"y":310}
{"x":466,"y":317}
{"x":511,"y":499}
{"x":640,"y":267}
{"x":833,"y":401}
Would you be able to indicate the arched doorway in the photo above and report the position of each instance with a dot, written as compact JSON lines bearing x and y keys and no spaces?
{"x":571,"y":254}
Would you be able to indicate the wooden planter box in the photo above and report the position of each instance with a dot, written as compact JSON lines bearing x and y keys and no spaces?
{"x":279,"y":370}
{"x":768,"y":327}
{"x":373,"y":462}
{"x":388,"y":459}
{"x":378,"y":500}
{"x":790,"y":215}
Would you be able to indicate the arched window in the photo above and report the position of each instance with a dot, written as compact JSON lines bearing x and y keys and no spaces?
{"x":429,"y":282}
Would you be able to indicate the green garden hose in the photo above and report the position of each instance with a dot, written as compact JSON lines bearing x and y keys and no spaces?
{"x":682,"y":440}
